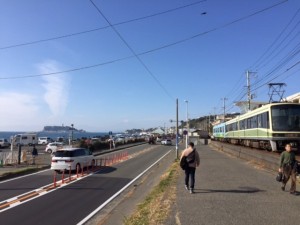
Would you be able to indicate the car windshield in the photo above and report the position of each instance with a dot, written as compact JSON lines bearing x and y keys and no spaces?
{"x":286,"y":117}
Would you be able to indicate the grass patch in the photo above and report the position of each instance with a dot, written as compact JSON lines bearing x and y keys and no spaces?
{"x":156,"y":206}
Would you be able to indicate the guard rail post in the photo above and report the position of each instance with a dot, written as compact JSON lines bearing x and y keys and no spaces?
{"x":63,"y":177}
{"x":54,"y":180}
{"x":70,"y":173}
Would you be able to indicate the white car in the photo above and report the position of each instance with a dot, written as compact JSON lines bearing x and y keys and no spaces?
{"x":52,"y":147}
{"x":4,"y":143}
{"x":72,"y":159}
{"x":44,"y":140}
{"x":166,"y":142}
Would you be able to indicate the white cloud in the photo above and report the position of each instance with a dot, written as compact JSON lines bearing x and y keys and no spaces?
{"x":56,"y":86}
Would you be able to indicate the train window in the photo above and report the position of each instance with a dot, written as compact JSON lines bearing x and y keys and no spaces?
{"x":254,"y":122}
{"x":286,"y":117}
{"x":259,"y":121}
{"x":265,"y":120}
{"x":248,"y":123}
{"x":242,"y":125}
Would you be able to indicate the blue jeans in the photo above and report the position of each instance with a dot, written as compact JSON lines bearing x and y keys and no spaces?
{"x":190,"y":172}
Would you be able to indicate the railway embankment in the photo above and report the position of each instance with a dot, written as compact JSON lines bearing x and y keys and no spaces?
{"x":265,"y":159}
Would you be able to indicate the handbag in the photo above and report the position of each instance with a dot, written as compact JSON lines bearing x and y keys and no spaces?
{"x":279,"y":177}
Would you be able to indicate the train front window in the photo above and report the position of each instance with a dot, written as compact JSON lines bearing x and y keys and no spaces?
{"x":286,"y":117}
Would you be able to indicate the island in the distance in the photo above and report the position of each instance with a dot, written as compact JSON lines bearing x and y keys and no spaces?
{"x":60,"y":129}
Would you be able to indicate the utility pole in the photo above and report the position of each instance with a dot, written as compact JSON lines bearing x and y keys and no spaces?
{"x":187,"y":122}
{"x":224,"y":108}
{"x":249,"y":96}
{"x":177,"y":133}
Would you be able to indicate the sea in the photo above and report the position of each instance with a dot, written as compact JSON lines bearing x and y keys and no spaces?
{"x":55,"y":135}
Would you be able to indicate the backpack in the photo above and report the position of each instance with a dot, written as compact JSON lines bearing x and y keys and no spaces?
{"x":191,"y":157}
{"x":185,"y":160}
{"x":183,"y":163}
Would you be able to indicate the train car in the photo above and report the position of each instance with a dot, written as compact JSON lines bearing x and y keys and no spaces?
{"x":269,"y":127}
{"x":219,"y":132}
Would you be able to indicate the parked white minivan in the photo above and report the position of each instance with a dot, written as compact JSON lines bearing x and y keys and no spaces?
{"x":72,"y":159}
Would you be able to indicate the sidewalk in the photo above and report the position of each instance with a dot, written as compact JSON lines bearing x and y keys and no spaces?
{"x":232,"y":191}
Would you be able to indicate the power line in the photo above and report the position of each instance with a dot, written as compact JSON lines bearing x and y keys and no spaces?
{"x":282,"y":63}
{"x":132,"y":51}
{"x":276,"y":39}
{"x":101,"y":28}
{"x":279,"y":75}
{"x":146,"y":52}
{"x":66,"y":71}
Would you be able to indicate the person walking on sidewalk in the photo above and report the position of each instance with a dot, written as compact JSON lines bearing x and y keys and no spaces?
{"x":34,"y":154}
{"x":288,"y":166}
{"x":193,"y":160}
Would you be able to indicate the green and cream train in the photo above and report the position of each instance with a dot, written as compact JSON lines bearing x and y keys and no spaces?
{"x":269,"y":127}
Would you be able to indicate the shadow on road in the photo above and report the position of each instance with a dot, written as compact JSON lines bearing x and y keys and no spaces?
{"x":241,"y":190}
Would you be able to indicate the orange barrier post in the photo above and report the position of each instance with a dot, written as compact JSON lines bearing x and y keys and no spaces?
{"x":54,"y":180}
{"x":70,"y":174}
{"x":63,"y":177}
{"x":82,"y":171}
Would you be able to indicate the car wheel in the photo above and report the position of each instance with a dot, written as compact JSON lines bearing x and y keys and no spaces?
{"x":49,"y":151}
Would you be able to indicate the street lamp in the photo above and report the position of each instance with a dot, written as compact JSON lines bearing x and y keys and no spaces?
{"x":72,"y":125}
{"x":187,"y":122}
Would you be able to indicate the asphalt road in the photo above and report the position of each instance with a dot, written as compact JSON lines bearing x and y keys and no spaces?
{"x":72,"y":203}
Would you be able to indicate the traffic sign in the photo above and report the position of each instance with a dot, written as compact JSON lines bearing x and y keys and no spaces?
{"x":185,"y":132}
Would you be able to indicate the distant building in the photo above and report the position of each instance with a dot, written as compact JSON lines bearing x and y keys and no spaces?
{"x":158,"y":131}
{"x":200,"y":133}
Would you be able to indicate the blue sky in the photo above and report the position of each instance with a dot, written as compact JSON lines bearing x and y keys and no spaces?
{"x":129,"y":75}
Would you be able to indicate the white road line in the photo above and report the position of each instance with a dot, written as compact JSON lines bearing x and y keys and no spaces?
{"x":119,"y":192}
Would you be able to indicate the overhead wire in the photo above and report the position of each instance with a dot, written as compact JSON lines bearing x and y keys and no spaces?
{"x":278,"y":49}
{"x":151,"y":50}
{"x":275,"y":40}
{"x":101,"y":28}
{"x":296,"y":64}
{"x":132,"y":51}
{"x":279,"y":65}
{"x":263,"y":58}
